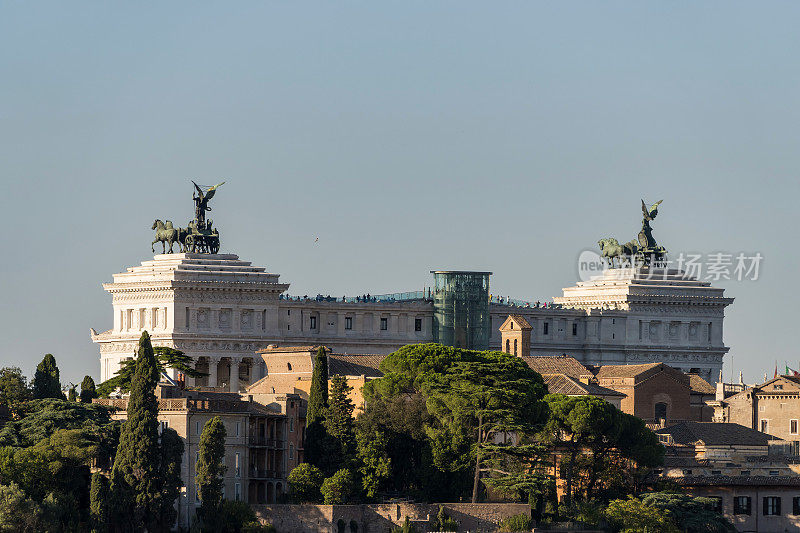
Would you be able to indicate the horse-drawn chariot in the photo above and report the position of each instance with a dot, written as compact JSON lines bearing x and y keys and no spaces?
{"x":201,"y":241}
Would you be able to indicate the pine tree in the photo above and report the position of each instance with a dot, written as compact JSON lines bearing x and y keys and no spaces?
{"x":47,"y":379}
{"x":88,"y":391}
{"x":135,"y":478}
{"x":98,"y":503}
{"x":318,"y":395}
{"x":210,"y":469}
{"x":171,"y":454}
{"x":339,"y":421}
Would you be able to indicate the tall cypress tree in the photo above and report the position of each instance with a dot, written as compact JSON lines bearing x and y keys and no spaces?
{"x":339,"y":421}
{"x":210,"y":469}
{"x":136,"y":478}
{"x":88,"y":390}
{"x":318,"y":442}
{"x":47,"y":379}
{"x":98,"y":503}
{"x":171,"y":454}
{"x":318,"y":395}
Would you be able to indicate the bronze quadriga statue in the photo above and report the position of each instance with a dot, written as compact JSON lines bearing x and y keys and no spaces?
{"x":199,"y":236}
{"x":644,"y":251}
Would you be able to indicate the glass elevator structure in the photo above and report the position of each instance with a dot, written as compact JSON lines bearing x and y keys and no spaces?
{"x":461,"y":309}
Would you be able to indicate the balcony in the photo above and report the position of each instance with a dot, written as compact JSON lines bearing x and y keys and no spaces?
{"x":260,"y":473}
{"x":257,"y":440}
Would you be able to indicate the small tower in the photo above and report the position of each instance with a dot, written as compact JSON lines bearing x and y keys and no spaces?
{"x":515,"y":336}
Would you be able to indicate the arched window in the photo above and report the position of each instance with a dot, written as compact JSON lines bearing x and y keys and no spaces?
{"x":515,"y":346}
{"x":353,"y":526}
{"x":508,"y":346}
{"x":340,"y":526}
{"x":289,"y":366}
{"x":660,"y":411}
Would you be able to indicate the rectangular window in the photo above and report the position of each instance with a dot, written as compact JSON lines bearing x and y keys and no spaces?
{"x":772,"y":505}
{"x":793,"y":427}
{"x":384,"y":323}
{"x":717,"y":505}
{"x":238,"y":429}
{"x":348,"y":322}
{"x":764,"y":425}
{"x":545,"y":328}
{"x":716,"y":472}
{"x":417,"y":324}
{"x":187,"y":318}
{"x":237,"y":469}
{"x":741,"y":505}
{"x":264,"y":320}
{"x":745,"y":472}
{"x":288,"y":312}
{"x":238,"y":493}
{"x":796,"y":505}
{"x":163,"y":424}
{"x":313,"y":323}
{"x":291,"y":425}
{"x":574,"y":329}
{"x":197,"y":429}
{"x":291,"y":451}
{"x":774,"y":472}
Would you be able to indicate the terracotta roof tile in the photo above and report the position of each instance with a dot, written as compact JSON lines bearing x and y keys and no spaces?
{"x":698,"y":384}
{"x":562,"y":384}
{"x":355,"y":365}
{"x":290,"y":349}
{"x":556,"y":364}
{"x":715,"y":434}
{"x":624,"y":371}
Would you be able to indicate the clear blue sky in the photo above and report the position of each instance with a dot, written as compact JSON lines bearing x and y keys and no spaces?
{"x":407,"y":136}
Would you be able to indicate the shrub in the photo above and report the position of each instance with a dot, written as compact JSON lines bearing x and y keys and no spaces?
{"x":338,"y":488}
{"x":519,"y":522}
{"x":443,"y":522}
{"x":305,"y":481}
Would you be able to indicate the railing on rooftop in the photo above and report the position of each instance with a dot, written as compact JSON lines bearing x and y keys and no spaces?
{"x":423,"y":295}
{"x":180,"y":404}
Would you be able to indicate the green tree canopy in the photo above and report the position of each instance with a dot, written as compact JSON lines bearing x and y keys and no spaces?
{"x":136,"y":483}
{"x":18,"y":512}
{"x":170,"y":473}
{"x":98,"y":503}
{"x":438,"y":408}
{"x":338,"y":489}
{"x":634,"y":516}
{"x":305,"y":481}
{"x":166,"y":358}
{"x":88,"y":391}
{"x":47,"y":379}
{"x":318,"y":395}
{"x":210,"y":469}
{"x":339,"y":422}
{"x":14,"y":389}
{"x":39,"y":419}
{"x":598,"y":445}
{"x":690,"y":513}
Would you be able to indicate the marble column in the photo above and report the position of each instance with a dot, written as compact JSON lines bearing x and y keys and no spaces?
{"x":212,"y":373}
{"x":234,"y":375}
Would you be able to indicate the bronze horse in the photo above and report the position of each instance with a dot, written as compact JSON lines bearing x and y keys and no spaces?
{"x":165,"y":234}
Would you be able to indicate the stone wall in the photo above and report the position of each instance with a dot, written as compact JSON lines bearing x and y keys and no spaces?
{"x":380,"y":518}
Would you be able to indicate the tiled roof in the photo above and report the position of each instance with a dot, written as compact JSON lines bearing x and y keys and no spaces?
{"x":556,"y":364}
{"x":355,"y":365}
{"x":741,"y":481}
{"x":520,"y":320}
{"x":698,"y":384}
{"x":715,"y":434}
{"x":288,"y":349}
{"x":569,"y":386}
{"x":624,"y":371}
